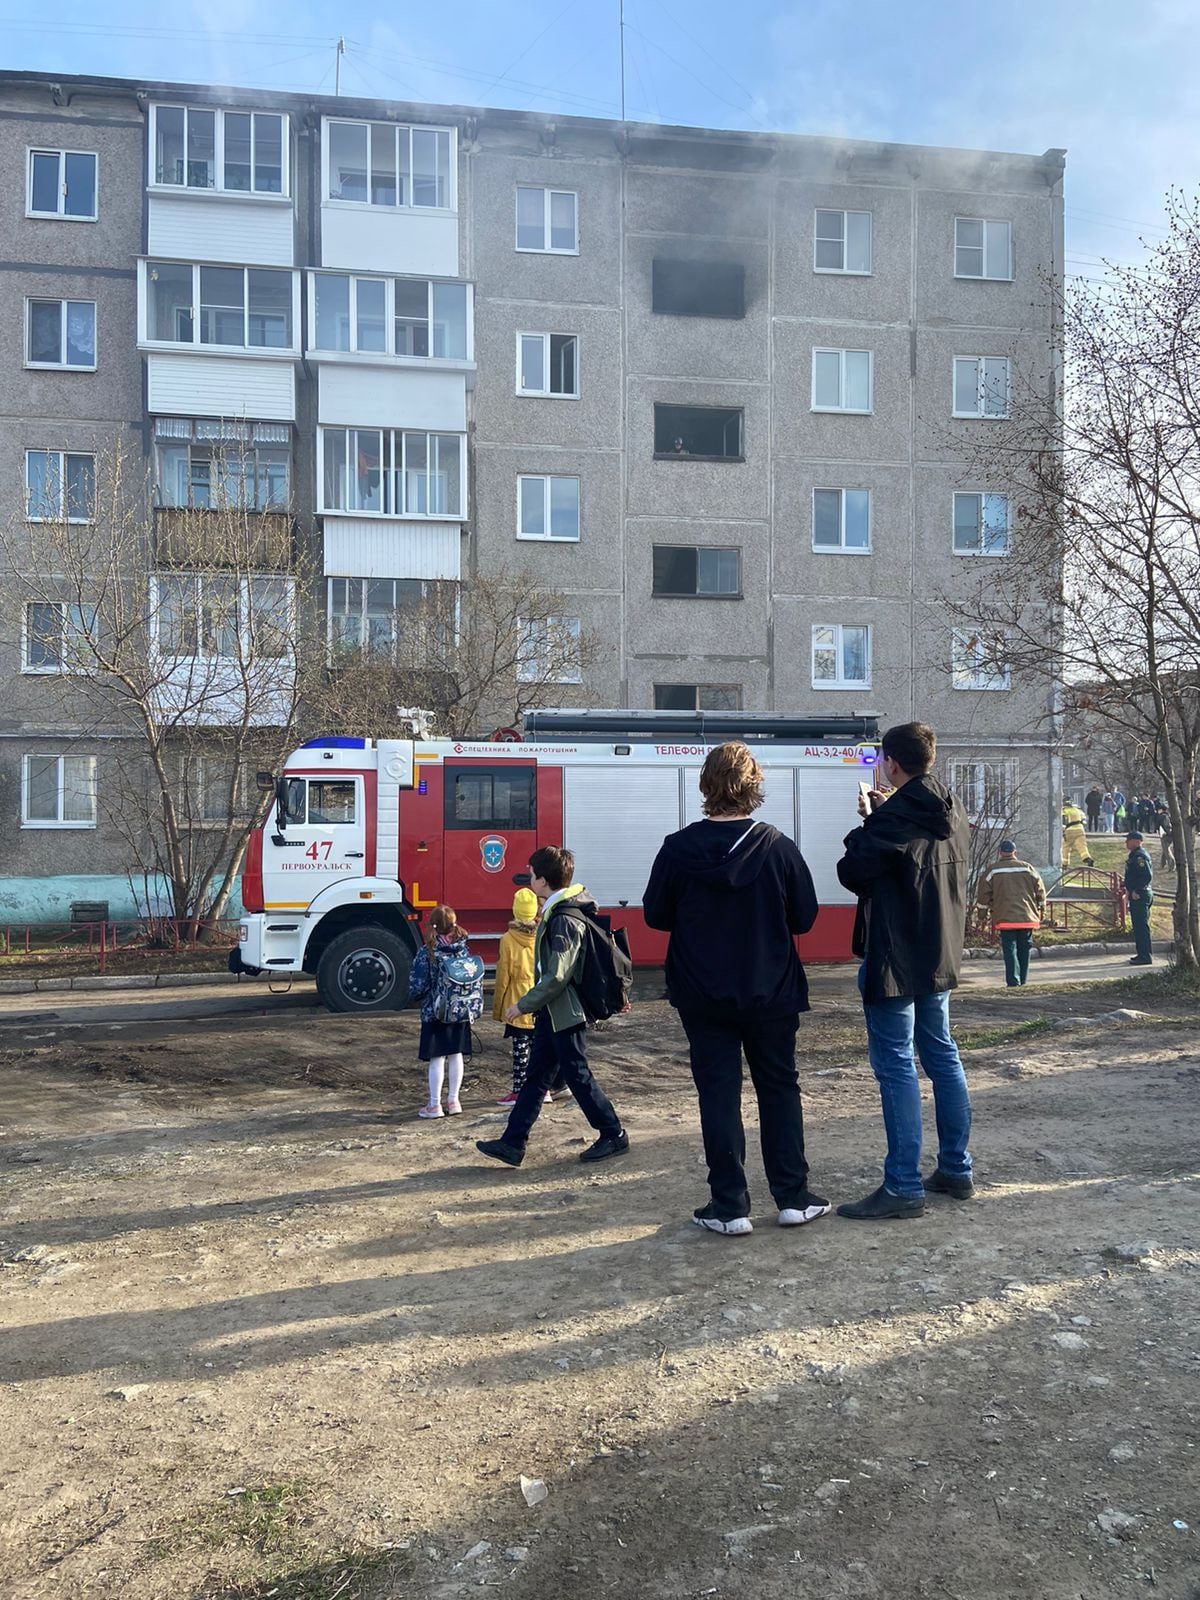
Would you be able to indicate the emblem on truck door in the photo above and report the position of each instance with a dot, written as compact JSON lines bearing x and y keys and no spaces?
{"x":493,"y":849}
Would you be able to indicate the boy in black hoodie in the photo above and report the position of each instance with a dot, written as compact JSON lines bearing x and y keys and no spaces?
{"x":732,"y":893}
{"x":908,"y":866}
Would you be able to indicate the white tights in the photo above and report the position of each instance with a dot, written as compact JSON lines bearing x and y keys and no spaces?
{"x":437,"y":1068}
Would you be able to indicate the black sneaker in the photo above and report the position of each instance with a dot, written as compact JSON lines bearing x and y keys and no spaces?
{"x":1141,"y":961}
{"x":616,"y":1144}
{"x":732,"y":1227}
{"x":880,"y":1204}
{"x":499,"y":1150}
{"x":939,"y":1182}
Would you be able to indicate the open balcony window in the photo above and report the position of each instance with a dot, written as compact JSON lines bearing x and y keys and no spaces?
{"x":391,"y":165}
{"x":386,"y":472}
{"x":701,"y":571}
{"x":699,"y":288}
{"x":548,"y":364}
{"x":408,"y":317}
{"x":230,"y":152}
{"x":707,"y":433}
{"x":213,"y":477}
{"x":246,"y":308}
{"x":697,"y":697}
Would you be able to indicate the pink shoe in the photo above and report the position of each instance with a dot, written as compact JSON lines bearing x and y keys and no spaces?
{"x":453,"y":1108}
{"x":430,"y":1111}
{"x":507,"y":1100}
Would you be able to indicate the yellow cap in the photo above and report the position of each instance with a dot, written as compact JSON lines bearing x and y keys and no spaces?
{"x":525,"y":905}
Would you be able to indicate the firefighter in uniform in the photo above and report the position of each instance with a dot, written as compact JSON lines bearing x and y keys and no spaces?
{"x":1139,"y":880}
{"x":1074,"y":839}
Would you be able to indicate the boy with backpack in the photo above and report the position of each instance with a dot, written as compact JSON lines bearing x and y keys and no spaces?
{"x":575,"y":959}
{"x":448,"y":981}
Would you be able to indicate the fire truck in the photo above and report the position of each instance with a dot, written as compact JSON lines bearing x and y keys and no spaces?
{"x":366,"y":835}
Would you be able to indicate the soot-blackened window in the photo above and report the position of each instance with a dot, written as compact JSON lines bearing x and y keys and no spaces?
{"x":491,"y":797}
{"x":712,"y":433}
{"x":699,"y":288}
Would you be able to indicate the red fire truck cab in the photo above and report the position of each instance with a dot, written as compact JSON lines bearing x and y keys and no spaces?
{"x":366,"y":835}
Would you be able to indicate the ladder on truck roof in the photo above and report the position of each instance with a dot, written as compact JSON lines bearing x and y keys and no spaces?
{"x":699,"y":727}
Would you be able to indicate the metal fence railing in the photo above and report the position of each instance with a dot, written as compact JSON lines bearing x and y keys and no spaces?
{"x":148,"y":938}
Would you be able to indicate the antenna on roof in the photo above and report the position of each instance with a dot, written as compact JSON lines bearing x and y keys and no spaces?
{"x":337,"y":66}
{"x":621,"y":21}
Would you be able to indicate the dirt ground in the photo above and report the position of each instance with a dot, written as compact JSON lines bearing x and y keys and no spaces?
{"x":264,"y":1333}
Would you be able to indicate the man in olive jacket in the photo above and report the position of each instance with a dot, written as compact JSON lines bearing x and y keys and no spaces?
{"x":560,"y":1024}
{"x":908,"y":866}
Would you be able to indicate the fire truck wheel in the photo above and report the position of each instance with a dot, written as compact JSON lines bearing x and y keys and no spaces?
{"x":364,"y":969}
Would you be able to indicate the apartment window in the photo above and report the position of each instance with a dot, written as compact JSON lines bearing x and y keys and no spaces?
{"x":842,"y":380}
{"x":390,"y":316}
{"x":699,"y":288}
{"x":548,"y":220}
{"x":981,"y":386}
{"x":217,"y":791}
{"x":842,"y":242}
{"x":58,"y":791}
{"x":547,"y":508}
{"x":987,"y":789}
{"x":244,"y":308}
{"x":697,"y":697}
{"x":235,"y":152}
{"x":365,"y":614}
{"x":55,"y":636}
{"x":977,"y":660}
{"x":58,"y":485}
{"x":707,"y":433}
{"x":62,"y":183}
{"x":982,"y":249}
{"x":841,"y":656}
{"x":221,"y":617}
{"x":393,"y":474}
{"x":549,"y":650}
{"x":981,"y":524}
{"x":214,"y":466}
{"x":842,"y":520}
{"x":390,"y":164}
{"x":548,"y":364}
{"x":60,"y":333}
{"x":704,"y":571}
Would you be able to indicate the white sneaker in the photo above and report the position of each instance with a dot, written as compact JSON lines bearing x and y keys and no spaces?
{"x":734,"y":1226}
{"x":796,"y":1216}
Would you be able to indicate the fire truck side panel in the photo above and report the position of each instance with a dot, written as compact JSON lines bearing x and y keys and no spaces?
{"x":421,"y":835}
{"x":490,"y":827}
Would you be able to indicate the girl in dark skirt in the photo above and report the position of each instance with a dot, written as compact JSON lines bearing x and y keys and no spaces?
{"x":443,"y":1044}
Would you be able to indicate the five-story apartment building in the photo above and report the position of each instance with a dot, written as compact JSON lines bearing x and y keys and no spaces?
{"x":725,"y":392}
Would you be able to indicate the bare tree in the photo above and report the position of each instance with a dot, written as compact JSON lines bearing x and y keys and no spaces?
{"x":1101,"y":589}
{"x":180,"y":634}
{"x":476,"y":658}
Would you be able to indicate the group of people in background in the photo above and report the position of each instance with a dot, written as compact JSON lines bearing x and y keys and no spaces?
{"x":1108,"y":811}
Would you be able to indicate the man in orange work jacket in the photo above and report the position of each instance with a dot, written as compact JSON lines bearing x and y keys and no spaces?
{"x":1015,"y":895}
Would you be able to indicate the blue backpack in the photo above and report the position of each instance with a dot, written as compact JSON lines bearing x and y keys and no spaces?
{"x":457,"y":988}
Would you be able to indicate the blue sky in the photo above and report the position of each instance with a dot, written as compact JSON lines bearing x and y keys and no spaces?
{"x":1113,"y":81}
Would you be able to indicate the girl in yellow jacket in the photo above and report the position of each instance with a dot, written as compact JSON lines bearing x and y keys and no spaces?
{"x":514,"y":977}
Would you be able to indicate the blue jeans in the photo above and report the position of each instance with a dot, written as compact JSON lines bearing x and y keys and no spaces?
{"x":893,"y":1028}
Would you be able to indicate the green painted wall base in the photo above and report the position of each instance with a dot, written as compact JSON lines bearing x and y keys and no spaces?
{"x":49,"y":900}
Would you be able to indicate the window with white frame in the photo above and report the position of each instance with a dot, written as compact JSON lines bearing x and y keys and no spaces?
{"x":391,"y":164}
{"x":977,"y":659}
{"x":62,"y":183}
{"x":55,"y":637}
{"x":58,"y":791}
{"x":706,"y":572}
{"x":548,"y":364}
{"x":842,"y":520}
{"x":842,"y":380}
{"x":221,"y":616}
{"x":549,"y":650}
{"x":386,"y":472}
{"x":981,"y":525}
{"x":841,"y":656}
{"x":987,"y":789}
{"x":209,"y":465}
{"x":368,"y":614}
{"x":417,"y":317}
{"x":228,"y":152}
{"x":982,"y":249}
{"x":547,"y":507}
{"x":842,"y":242}
{"x":61,"y":333}
{"x":697,"y":697}
{"x":547,"y":220}
{"x":981,"y":386}
{"x":59,"y":484}
{"x":242,"y":308}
